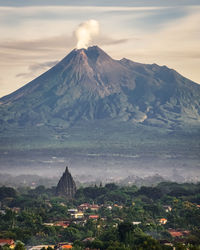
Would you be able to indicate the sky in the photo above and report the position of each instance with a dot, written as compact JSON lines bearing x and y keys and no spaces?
{"x":36,"y":34}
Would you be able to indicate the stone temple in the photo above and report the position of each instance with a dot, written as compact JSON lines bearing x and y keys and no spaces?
{"x":66,"y":186}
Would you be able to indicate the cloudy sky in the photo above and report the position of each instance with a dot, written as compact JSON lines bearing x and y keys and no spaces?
{"x":35,"y":34}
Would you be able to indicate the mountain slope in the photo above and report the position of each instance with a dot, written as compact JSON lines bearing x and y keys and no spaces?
{"x":90,"y":85}
{"x":102,"y":115}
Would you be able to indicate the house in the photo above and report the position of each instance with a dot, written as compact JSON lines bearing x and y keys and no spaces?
{"x":94,"y":217}
{"x":48,"y":224}
{"x":78,"y":215}
{"x":84,"y":206}
{"x":40,"y":246}
{"x":94,"y":207}
{"x":163,"y":221}
{"x":16,"y":209}
{"x":72,"y":210}
{"x":119,"y":206}
{"x":89,"y":239}
{"x":185,"y":232}
{"x":175,"y":233}
{"x":166,"y":243}
{"x":178,"y":233}
{"x":80,"y":222}
{"x":136,"y":222}
{"x":75,"y":213}
{"x":63,"y":224}
{"x":67,"y":246}
{"x":63,"y":245}
{"x":63,"y":204}
{"x":8,"y":242}
{"x":109,"y":207}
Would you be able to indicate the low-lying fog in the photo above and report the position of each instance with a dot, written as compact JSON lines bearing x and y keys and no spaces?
{"x":90,"y":169}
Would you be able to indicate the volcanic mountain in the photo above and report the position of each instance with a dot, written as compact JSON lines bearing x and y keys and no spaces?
{"x":89,"y":96}
{"x":89,"y":85}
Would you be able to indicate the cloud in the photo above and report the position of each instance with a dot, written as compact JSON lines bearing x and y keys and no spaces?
{"x":12,"y":49}
{"x":104,"y":3}
{"x":34,"y":68}
{"x":62,"y":41}
{"x":44,"y":65}
{"x":103,"y":40}
{"x":180,"y":37}
{"x":25,"y":11}
{"x":151,"y":31}
{"x":176,"y":44}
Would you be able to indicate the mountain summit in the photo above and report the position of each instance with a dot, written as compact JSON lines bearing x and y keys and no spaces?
{"x":88,"y":85}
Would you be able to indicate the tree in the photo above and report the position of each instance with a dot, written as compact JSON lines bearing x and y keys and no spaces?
{"x":124,"y":229}
{"x":10,"y":218}
{"x":5,"y":247}
{"x":49,"y":248}
{"x":7,"y":192}
{"x":96,"y":244}
{"x":111,"y":234}
{"x":180,"y":246}
{"x":71,"y":234}
{"x":111,"y":186}
{"x":154,"y":193}
{"x":19,"y":246}
{"x":116,"y":245}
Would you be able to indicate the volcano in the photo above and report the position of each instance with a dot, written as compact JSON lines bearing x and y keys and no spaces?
{"x":89,"y":85}
{"x":89,"y":100}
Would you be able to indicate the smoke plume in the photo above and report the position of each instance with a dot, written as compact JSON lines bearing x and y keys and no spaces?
{"x":85,"y":32}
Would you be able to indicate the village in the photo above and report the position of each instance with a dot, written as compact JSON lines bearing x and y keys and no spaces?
{"x":91,"y":212}
{"x":100,"y":217}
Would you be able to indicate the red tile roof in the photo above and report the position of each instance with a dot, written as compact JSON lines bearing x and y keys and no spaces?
{"x":66,"y":246}
{"x":61,"y":224}
{"x":93,"y":216}
{"x":6,"y":241}
{"x":175,"y":233}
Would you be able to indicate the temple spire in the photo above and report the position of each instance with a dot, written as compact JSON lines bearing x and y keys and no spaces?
{"x":66,"y":186}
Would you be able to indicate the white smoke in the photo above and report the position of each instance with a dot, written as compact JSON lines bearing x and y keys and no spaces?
{"x":85,"y":32}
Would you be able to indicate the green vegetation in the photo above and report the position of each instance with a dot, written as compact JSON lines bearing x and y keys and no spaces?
{"x":101,"y":136}
{"x":128,"y":217}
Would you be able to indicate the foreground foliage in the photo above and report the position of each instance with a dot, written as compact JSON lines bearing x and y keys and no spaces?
{"x":129,"y":217}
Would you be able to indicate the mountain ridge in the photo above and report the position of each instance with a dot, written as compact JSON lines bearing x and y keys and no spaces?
{"x":89,"y":85}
